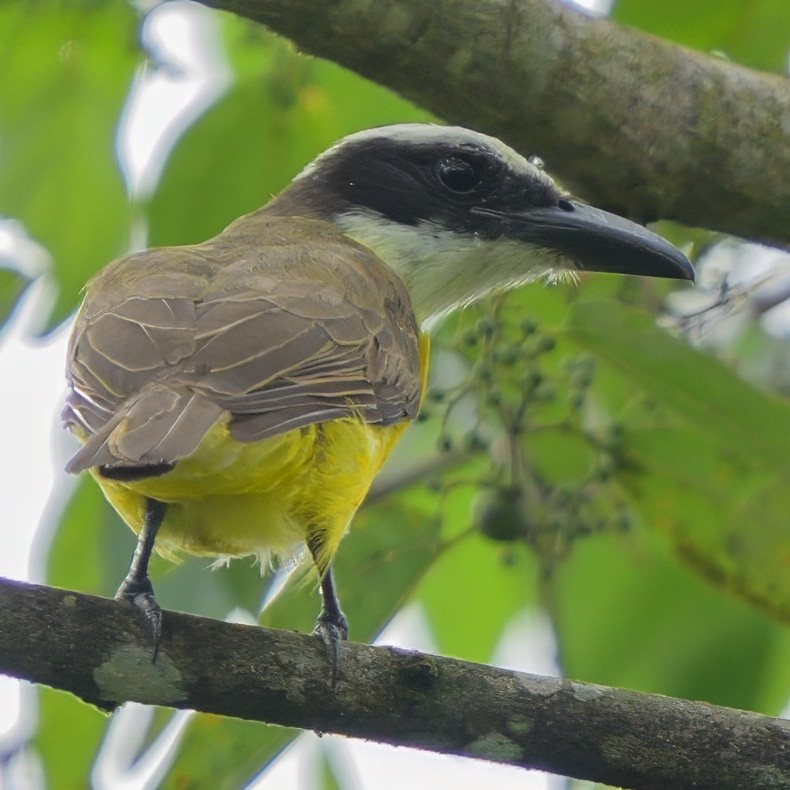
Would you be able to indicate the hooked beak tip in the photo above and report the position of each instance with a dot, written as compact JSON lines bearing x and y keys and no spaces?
{"x":603,"y":242}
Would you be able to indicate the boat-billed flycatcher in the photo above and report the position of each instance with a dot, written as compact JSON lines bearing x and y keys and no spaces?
{"x":238,"y":396}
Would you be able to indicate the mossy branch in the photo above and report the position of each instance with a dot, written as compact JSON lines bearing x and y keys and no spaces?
{"x":631,"y":123}
{"x":99,"y":649}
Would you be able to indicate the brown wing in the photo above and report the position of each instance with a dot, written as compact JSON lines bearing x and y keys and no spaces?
{"x":277,"y":325}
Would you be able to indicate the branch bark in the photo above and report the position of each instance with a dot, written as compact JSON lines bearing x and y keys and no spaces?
{"x":632,"y":123}
{"x":99,"y":649}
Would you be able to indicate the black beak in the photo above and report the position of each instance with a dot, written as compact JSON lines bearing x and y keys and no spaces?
{"x":602,"y":242}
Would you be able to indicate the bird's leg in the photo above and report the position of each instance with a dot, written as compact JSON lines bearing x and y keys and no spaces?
{"x":331,"y":625}
{"x":136,"y":587}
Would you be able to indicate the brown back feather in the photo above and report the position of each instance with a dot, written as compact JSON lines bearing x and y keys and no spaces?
{"x":274,"y":324}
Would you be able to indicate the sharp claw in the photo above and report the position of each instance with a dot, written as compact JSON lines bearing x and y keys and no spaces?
{"x":149,"y":606}
{"x":332,"y":633}
{"x":331,"y":625}
{"x":140,"y":594}
{"x":136,"y":587}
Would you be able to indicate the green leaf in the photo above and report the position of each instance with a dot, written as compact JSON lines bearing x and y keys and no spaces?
{"x":328,"y":778}
{"x":193,"y":585}
{"x":88,"y":552}
{"x":727,"y":518}
{"x":64,"y":73}
{"x":473,"y":592}
{"x":753,"y":32}
{"x":64,"y":718}
{"x":627,"y":615}
{"x":229,"y":751}
{"x":698,"y":387}
{"x":713,"y":478}
{"x":12,"y":286}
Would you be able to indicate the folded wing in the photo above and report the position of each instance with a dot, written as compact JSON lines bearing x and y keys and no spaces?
{"x":271,"y":337}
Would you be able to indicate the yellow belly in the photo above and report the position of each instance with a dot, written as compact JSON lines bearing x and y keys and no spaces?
{"x":265,"y":498}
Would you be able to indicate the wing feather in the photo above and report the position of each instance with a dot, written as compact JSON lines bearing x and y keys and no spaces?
{"x":269,"y":337}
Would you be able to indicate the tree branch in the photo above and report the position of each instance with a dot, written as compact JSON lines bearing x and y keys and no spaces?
{"x":99,"y":649}
{"x":633,"y":123}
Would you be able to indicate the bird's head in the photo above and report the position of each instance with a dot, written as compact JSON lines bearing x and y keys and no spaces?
{"x":458,"y":214}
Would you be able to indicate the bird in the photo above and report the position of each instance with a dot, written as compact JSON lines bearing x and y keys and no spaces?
{"x":238,"y":396}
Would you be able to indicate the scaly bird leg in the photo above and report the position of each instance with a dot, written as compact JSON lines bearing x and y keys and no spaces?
{"x":136,"y":587}
{"x":331,"y":625}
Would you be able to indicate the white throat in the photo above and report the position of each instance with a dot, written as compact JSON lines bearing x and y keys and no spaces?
{"x":444,"y":270}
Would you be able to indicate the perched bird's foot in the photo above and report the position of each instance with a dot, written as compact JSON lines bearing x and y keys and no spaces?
{"x":136,"y":587}
{"x":332,"y":627}
{"x":140,"y":593}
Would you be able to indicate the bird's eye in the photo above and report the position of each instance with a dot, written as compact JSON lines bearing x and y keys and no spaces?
{"x":458,"y":175}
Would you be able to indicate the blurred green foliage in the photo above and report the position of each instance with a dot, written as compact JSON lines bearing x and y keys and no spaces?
{"x":66,"y":70}
{"x":751,"y":32}
{"x":12,"y":286}
{"x":579,"y":461}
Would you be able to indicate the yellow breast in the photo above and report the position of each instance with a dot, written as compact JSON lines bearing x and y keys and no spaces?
{"x":264,"y":498}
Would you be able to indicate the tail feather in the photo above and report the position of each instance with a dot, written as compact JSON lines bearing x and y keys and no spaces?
{"x":127,"y":474}
{"x":158,"y":427}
